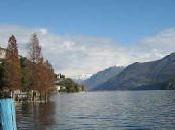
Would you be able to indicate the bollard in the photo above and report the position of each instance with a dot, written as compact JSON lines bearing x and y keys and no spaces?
{"x":7,"y":114}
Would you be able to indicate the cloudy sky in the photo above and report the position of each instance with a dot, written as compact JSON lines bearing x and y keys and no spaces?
{"x":83,"y":37}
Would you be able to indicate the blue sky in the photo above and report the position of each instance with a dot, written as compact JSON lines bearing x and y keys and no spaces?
{"x":126,"y":21}
{"x":85,"y":36}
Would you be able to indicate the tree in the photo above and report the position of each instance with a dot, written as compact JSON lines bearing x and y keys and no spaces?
{"x":50,"y":76}
{"x":46,"y":78}
{"x":26,"y":73}
{"x":70,"y":85}
{"x":2,"y":70}
{"x":34,"y":49}
{"x":42,"y":72}
{"x":12,"y":65}
{"x":35,"y":58}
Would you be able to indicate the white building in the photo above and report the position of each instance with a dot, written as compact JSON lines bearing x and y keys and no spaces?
{"x":2,"y":53}
{"x":58,"y":88}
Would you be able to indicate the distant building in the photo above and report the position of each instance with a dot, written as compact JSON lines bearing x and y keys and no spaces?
{"x":60,"y":76}
{"x":2,"y":53}
{"x":58,"y":88}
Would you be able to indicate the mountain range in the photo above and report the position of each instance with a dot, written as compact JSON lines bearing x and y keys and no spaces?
{"x":101,"y":77}
{"x":152,"y":75}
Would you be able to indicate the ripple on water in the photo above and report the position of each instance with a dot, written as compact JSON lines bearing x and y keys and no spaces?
{"x":143,"y":110}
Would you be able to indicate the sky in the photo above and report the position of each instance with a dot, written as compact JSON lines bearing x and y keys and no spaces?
{"x":85,"y":36}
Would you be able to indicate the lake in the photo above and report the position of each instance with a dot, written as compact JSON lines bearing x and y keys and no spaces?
{"x":117,"y":110}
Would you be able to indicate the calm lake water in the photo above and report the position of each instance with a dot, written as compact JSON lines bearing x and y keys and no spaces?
{"x":128,"y":110}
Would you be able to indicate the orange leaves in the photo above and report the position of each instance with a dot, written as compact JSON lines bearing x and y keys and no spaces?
{"x":12,"y":65}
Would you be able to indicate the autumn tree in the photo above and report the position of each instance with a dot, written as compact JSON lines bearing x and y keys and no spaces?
{"x":50,"y":74}
{"x":26,"y":73}
{"x":46,"y":78}
{"x":41,"y":78}
{"x":49,"y":77}
{"x":42,"y":72}
{"x":35,"y":55}
{"x":35,"y":58}
{"x":2,"y":70}
{"x":12,"y":65}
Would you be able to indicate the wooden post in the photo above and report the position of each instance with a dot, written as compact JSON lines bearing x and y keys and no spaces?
{"x":7,"y":114}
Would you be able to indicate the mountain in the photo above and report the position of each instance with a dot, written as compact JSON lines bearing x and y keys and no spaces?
{"x":80,"y":78}
{"x":101,"y":77}
{"x":169,"y":85}
{"x":142,"y":76}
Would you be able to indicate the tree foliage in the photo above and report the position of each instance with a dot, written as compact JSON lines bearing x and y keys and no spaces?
{"x":2,"y":70}
{"x":42,"y":74}
{"x":12,"y":65}
{"x":34,"y":49}
{"x":70,"y":85}
{"x":32,"y":73}
{"x":26,"y":72}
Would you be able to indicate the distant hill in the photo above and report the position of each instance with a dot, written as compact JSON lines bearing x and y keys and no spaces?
{"x":143,"y":76}
{"x":101,"y":77}
{"x":169,"y":85}
{"x":81,"y":78}
{"x":70,"y":85}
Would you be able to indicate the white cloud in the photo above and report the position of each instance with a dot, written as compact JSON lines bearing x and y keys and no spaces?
{"x":75,"y":55}
{"x":43,"y":31}
{"x":157,"y":46}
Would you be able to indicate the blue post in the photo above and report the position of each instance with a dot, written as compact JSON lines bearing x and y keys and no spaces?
{"x":7,"y":115}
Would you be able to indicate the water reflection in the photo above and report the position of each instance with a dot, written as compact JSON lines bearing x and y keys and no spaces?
{"x":101,"y":110}
{"x":35,"y":116}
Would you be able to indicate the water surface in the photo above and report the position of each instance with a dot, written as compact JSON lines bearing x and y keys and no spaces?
{"x":128,"y":110}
